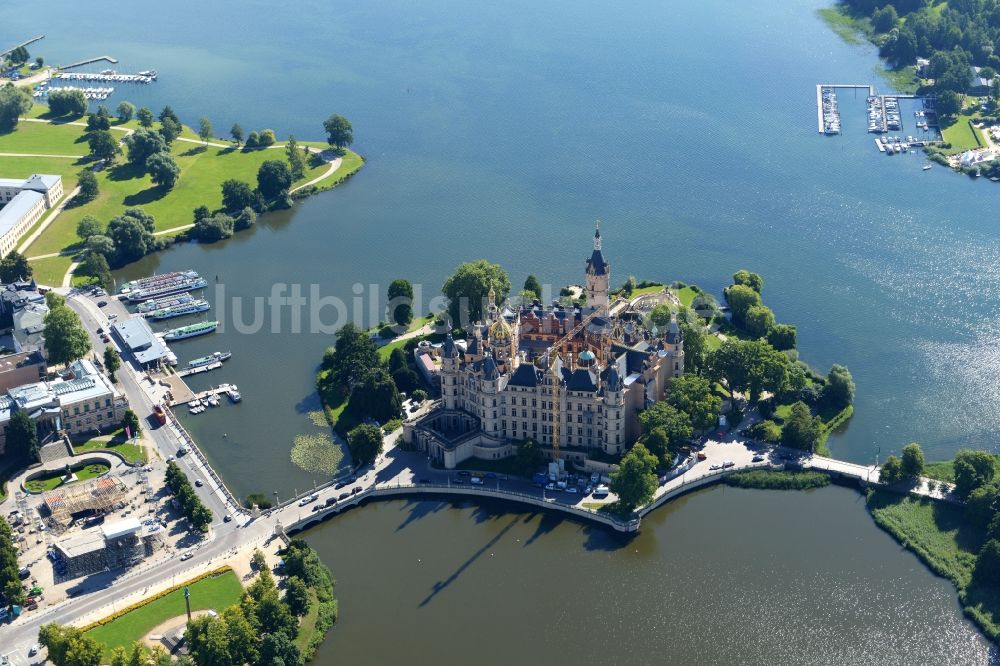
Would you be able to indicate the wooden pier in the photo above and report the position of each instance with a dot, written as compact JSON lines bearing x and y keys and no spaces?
{"x":819,"y":98}
{"x":183,"y":393}
{"x":30,"y":41}
{"x":81,"y":63}
{"x":186,"y":372}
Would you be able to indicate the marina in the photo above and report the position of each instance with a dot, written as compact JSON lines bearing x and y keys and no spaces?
{"x":98,"y":93}
{"x":884,"y":115}
{"x":108,"y":75}
{"x":830,"y":111}
{"x":181,"y":394}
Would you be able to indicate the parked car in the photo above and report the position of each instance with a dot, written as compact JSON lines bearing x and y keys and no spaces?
{"x":458,"y":481}
{"x":101,"y":304}
{"x":728,"y":463}
{"x":187,"y":556}
{"x":491,"y":475}
{"x":199,"y":483}
{"x":331,"y":501}
{"x":355,"y":491}
{"x":476,"y":481}
{"x":112,"y":316}
{"x":758,"y":458}
{"x":318,"y":507}
{"x":464,"y":472}
{"x":343,"y":496}
{"x":227,"y":519}
{"x":715,"y":466}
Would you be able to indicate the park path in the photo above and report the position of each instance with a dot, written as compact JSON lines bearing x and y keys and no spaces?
{"x":71,"y":157}
{"x":334,"y":165}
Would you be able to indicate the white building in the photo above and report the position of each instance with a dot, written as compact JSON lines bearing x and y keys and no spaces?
{"x":24,"y":202}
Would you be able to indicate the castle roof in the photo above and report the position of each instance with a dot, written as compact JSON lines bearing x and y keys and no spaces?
{"x":596,"y":264}
{"x":525,"y":375}
{"x":580,"y":379}
{"x":449,"y":350}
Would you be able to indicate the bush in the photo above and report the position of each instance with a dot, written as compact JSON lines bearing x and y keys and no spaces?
{"x":776,"y":480}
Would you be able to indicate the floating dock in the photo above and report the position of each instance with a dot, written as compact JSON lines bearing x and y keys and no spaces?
{"x":819,"y":98}
{"x":181,"y":393}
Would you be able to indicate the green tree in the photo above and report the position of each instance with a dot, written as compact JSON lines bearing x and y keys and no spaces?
{"x":401,"y":302}
{"x":205,"y":130}
{"x":170,"y":130}
{"x":163,"y":170}
{"x":213,"y":228}
{"x":297,"y":596}
{"x":635,"y":479}
{"x":266,"y":138}
{"x":885,"y":19}
{"x":949,"y":103}
{"x":130,"y":420}
{"x":660,"y":316}
{"x":208,"y":641}
{"x":101,"y":244}
{"x":200,"y":517}
{"x":973,"y":469}
{"x":741,"y":298}
{"x":750,"y":366}
{"x":980,"y":505}
{"x":237,"y":195}
{"x":766,"y":431}
{"x":375,"y":397}
{"x":675,"y":424}
{"x":694,"y":396}
{"x":103,"y":146}
{"x":987,"y":569}
{"x":132,"y":235}
{"x":68,"y":646}
{"x":253,"y":140}
{"x":802,"y":430}
{"x":339,"y":132}
{"x":279,"y":649}
{"x":244,"y":639}
{"x":418,"y":396}
{"x":273,"y":178}
{"x":759,"y":321}
{"x":528,"y":457}
{"x":891,"y":471}
{"x":258,"y":561}
{"x":65,"y":338}
{"x":14,"y":103}
{"x":95,"y":265}
{"x":532,"y":284}
{"x":237,"y":133}
{"x":125,"y":111}
{"x":113,"y":361}
{"x":353,"y":355}
{"x":141,"y":145}
{"x":14,"y":267}
{"x":748,"y":279}
{"x":296,"y":163}
{"x":467,"y":289}
{"x":67,"y":103}
{"x":365,"y":443}
{"x":87,"y":182}
{"x":145,"y":117}
{"x":782,"y":336}
{"x":245,"y":219}
{"x":22,"y":437}
{"x":913,"y":461}
{"x":695,"y":339}
{"x":168,"y":114}
{"x":839,"y":389}
{"x":99,"y":122}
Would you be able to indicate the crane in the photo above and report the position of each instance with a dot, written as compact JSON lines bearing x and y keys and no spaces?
{"x":554,"y":375}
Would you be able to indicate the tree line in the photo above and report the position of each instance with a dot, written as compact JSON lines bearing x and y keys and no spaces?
{"x":194,"y":510}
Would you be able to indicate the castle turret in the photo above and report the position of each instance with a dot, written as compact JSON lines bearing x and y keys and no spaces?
{"x":598,"y":276}
{"x":614,"y":411}
{"x":449,"y":373}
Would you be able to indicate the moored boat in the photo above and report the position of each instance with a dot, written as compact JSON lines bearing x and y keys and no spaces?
{"x":216,"y":357}
{"x":179,"y":310}
{"x":191,"y":330}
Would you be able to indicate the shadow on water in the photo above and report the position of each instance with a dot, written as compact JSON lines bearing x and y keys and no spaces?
{"x":419,"y":509}
{"x":310,"y":403}
{"x":440,"y":586}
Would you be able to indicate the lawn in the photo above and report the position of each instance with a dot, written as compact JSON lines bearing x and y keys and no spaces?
{"x":54,"y":480}
{"x":51,"y":271}
{"x":685,"y":295}
{"x":962,"y":135}
{"x":217,"y":593}
{"x":22,"y":167}
{"x":712,"y":342}
{"x":944,"y":470}
{"x":307,"y":625}
{"x":44,"y":138}
{"x":114,"y":442}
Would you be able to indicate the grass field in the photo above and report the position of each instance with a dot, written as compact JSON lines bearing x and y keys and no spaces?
{"x":685,"y":295}
{"x":962,"y":135}
{"x":217,"y":592}
{"x":114,"y":442}
{"x":54,"y":480}
{"x":203,"y":169}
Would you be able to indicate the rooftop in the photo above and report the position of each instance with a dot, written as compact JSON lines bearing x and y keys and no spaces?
{"x":17,"y":208}
{"x":138,"y":336}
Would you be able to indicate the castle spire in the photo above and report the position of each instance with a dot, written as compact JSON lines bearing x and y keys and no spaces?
{"x":597,"y":235}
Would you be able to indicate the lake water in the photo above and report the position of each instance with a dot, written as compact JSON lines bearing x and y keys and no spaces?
{"x":722,"y":576}
{"x":502,"y":131}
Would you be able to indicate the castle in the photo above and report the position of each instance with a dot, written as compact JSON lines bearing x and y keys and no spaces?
{"x":581,"y":375}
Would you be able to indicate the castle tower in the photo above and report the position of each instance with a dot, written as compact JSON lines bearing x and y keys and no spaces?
{"x":449,"y":373}
{"x":598,"y":276}
{"x":614,"y":412}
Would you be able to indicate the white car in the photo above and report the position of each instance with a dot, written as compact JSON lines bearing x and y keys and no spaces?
{"x":715,"y":466}
{"x":33,"y":650}
{"x":476,"y":481}
{"x":728,"y":463}
{"x":187,"y":556}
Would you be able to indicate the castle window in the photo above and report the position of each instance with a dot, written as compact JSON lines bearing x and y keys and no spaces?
{"x":534,"y":414}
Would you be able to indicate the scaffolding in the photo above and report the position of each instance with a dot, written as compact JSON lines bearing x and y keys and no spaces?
{"x":99,"y":496}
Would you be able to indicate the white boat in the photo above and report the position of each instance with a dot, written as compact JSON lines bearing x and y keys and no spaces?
{"x":926,"y":167}
{"x":212,"y":400}
{"x":234,"y":394}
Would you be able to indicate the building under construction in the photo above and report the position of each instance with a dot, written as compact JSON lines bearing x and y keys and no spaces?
{"x":96,"y":497}
{"x":116,"y":545}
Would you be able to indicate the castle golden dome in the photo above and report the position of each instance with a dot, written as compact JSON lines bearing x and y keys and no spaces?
{"x":501,"y":330}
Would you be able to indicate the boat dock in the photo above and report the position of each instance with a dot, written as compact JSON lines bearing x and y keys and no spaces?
{"x":14,"y":48}
{"x":181,"y":393}
{"x":81,"y":63}
{"x":821,"y":125}
{"x":187,"y":372}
